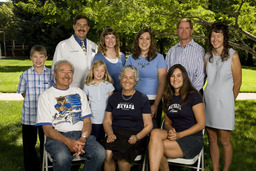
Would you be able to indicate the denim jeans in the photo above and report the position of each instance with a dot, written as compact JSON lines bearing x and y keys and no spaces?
{"x":62,"y":157}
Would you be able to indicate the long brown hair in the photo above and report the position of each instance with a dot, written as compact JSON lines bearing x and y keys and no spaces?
{"x":219,"y":28}
{"x":90,"y":76}
{"x":152,"y":53}
{"x":102,"y":47}
{"x":185,"y":89}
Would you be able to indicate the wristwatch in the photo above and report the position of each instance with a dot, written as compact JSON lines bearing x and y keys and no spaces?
{"x":138,"y":138}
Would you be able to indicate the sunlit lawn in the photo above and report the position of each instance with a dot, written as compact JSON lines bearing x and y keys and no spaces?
{"x":11,"y":68}
{"x":248,"y":79}
{"x":243,"y":137}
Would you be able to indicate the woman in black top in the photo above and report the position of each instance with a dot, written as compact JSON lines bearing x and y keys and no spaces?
{"x":184,"y":121}
{"x":127,"y":122}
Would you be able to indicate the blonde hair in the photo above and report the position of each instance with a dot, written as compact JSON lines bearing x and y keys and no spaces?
{"x":102,"y":47}
{"x":90,"y":77}
{"x":185,"y":20}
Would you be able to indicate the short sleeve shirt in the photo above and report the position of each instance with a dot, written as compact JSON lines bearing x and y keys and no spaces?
{"x":33,"y":84}
{"x":183,"y":117}
{"x":127,"y":114}
{"x":63,"y":109}
{"x":148,"y":73}
{"x":98,"y":97}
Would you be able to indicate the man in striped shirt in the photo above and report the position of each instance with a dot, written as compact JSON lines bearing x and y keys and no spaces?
{"x":188,"y":53}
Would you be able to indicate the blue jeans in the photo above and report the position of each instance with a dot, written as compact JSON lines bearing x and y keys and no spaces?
{"x":62,"y":157}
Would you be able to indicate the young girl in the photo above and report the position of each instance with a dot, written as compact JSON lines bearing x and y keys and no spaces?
{"x":98,"y":87}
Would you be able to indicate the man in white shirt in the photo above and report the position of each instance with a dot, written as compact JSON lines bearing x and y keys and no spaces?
{"x":78,"y":50}
{"x":64,"y":114}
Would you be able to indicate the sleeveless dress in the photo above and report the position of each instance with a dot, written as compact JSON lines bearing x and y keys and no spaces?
{"x":218,"y":95}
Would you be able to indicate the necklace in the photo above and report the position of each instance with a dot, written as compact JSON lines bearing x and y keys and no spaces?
{"x":128,"y":97}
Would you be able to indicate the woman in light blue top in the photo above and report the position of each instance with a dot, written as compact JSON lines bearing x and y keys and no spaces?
{"x":223,"y":69}
{"x":152,"y":71}
{"x":109,"y":52}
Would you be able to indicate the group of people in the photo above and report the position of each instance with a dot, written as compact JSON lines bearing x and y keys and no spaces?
{"x":109,"y":109}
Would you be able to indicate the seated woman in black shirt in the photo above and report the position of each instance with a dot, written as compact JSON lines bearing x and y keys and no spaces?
{"x":184,"y":121}
{"x":127,"y":122}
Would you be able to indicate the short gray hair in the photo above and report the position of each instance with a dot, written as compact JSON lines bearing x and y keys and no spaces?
{"x":56,"y":65}
{"x":132,"y":68}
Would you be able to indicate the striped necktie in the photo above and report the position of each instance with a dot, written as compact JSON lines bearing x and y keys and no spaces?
{"x":83,"y":47}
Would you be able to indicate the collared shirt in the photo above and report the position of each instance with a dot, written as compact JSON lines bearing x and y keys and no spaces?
{"x":33,"y":84}
{"x":79,"y":41}
{"x":98,"y":96}
{"x":192,"y":58}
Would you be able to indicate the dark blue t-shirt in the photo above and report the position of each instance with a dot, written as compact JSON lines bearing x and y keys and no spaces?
{"x":127,"y":114}
{"x":183,"y":118}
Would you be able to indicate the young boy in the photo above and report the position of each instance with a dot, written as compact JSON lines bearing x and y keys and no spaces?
{"x":32,"y":83}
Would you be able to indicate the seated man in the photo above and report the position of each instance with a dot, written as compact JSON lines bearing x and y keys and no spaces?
{"x":64,"y":114}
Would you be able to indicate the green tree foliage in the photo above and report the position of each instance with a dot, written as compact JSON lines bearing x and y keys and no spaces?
{"x":8,"y":23}
{"x":47,"y":22}
{"x":129,"y":16}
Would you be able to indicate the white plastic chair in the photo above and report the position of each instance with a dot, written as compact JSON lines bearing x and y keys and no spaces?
{"x":46,"y":156}
{"x":189,"y":163}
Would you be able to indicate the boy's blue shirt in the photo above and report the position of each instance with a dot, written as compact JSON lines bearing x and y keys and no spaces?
{"x":33,"y":84}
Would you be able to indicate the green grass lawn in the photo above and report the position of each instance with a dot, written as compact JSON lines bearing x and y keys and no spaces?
{"x":10,"y":71}
{"x":243,"y":137}
{"x":248,"y":79}
{"x":11,"y":68}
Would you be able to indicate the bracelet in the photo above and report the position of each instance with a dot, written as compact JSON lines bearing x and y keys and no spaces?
{"x":137,"y":137}
{"x":83,"y":136}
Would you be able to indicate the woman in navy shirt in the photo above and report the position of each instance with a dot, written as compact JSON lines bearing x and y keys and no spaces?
{"x":127,"y":122}
{"x":184,"y":121}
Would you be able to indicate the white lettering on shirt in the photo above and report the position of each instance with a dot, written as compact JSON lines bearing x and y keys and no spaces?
{"x":125,"y":106}
{"x":174,"y":108}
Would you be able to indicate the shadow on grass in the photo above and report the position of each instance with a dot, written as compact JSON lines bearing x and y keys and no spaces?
{"x":243,"y":138}
{"x":11,"y":153}
{"x":16,"y":58}
{"x":244,"y":135}
{"x":249,"y":67}
{"x":16,"y":68}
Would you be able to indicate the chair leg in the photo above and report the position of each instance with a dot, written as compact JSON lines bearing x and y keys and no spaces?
{"x":202,"y":161}
{"x":144,"y":162}
{"x":45,"y":161}
{"x":198,"y":163}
